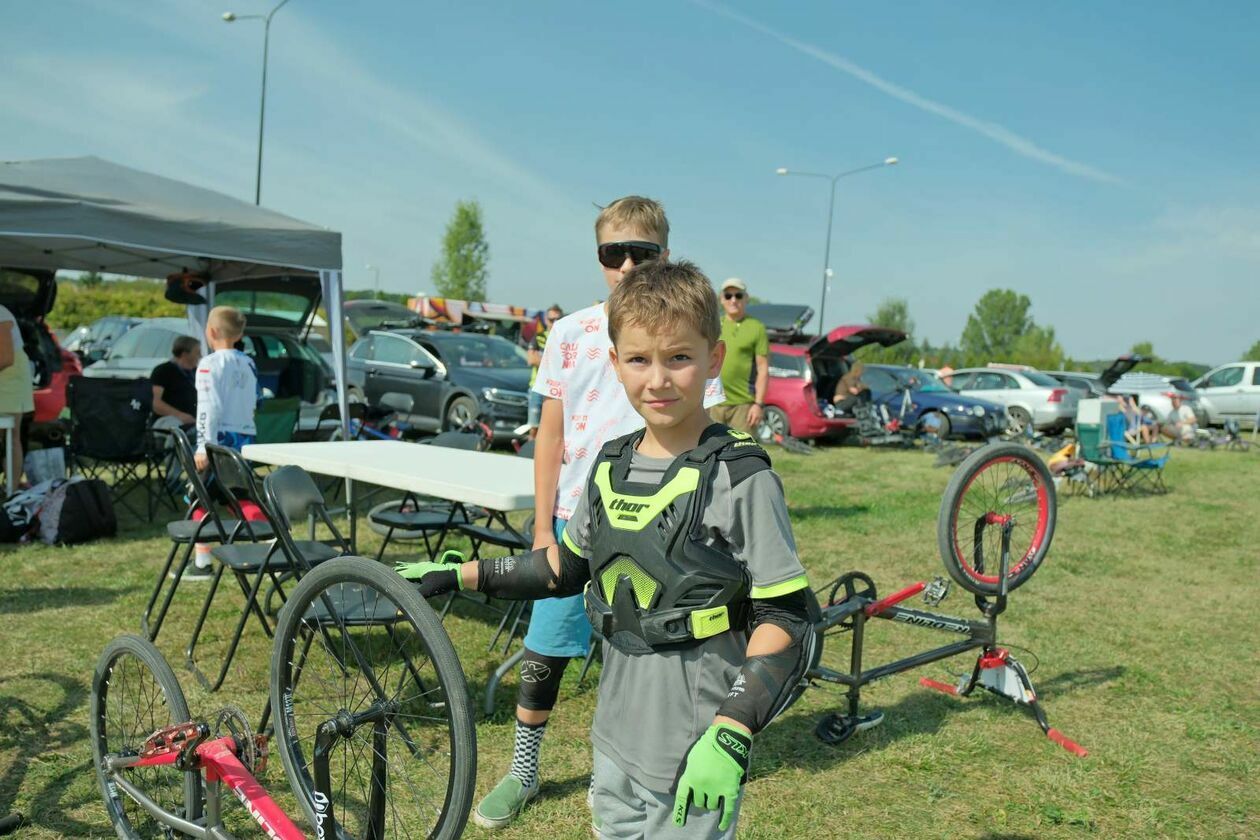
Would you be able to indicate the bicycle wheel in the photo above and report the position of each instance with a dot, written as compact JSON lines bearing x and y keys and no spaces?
{"x":356,"y":646}
{"x":134,"y":694}
{"x":996,"y":482}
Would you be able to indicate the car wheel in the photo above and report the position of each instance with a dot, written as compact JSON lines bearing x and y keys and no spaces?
{"x":774,"y":425}
{"x":1020,"y":421}
{"x":943,"y":422}
{"x":460,"y":412}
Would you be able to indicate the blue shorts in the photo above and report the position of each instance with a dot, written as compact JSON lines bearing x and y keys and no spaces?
{"x":559,"y":626}
{"x":534,"y":415}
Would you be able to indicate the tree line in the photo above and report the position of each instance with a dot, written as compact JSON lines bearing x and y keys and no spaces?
{"x":1001,"y":329}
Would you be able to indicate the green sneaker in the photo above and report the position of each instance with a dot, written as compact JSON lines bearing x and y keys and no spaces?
{"x":504,"y":803}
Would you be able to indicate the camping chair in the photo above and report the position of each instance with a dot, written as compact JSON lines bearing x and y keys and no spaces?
{"x":187,"y":532}
{"x":417,"y":517}
{"x":1138,"y":466}
{"x":110,"y":438}
{"x":251,"y":563}
{"x":276,"y":419}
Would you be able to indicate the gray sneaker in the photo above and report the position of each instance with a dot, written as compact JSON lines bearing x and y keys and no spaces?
{"x":505,"y":803}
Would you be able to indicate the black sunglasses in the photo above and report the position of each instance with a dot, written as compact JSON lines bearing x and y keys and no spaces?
{"x":613,"y":254}
{"x":733,"y":295}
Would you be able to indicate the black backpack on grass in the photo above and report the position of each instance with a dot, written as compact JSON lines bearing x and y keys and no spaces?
{"x":76,"y":512}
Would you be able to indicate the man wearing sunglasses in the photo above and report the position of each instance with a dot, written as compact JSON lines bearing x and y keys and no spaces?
{"x":746,"y":370}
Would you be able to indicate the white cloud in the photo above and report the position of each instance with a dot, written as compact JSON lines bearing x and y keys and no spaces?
{"x":998,"y":133}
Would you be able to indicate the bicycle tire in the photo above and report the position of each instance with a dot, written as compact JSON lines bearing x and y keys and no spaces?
{"x":341,"y":615}
{"x":1006,"y":479}
{"x":127,"y":730}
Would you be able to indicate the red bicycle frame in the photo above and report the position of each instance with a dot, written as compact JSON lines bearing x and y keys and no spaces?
{"x":184,"y":746}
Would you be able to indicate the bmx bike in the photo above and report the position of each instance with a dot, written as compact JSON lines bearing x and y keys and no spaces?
{"x":373,"y":724}
{"x":994,"y":528}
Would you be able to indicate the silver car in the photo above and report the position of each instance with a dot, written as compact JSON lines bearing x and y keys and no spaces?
{"x":1231,"y":392}
{"x":1030,"y":396}
{"x":1154,"y":391}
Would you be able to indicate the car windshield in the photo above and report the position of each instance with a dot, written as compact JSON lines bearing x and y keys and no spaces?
{"x":1036,"y":377}
{"x":481,"y":351}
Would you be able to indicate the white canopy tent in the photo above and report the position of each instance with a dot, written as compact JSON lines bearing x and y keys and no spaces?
{"x":87,"y":214}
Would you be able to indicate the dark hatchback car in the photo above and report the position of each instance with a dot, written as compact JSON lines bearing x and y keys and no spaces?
{"x":451,"y":377}
{"x":957,"y":416}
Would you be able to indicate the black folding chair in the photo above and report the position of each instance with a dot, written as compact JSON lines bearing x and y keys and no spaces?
{"x":420,"y":518}
{"x":251,"y":563}
{"x":187,"y":532}
{"x":110,"y":438}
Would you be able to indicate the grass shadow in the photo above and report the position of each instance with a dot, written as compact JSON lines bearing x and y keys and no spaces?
{"x":36,"y":598}
{"x":804,"y":514}
{"x":30,"y":728}
{"x":920,"y":713}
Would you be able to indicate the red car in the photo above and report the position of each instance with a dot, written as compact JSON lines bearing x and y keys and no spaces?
{"x":804,"y":366}
{"x":30,"y":294}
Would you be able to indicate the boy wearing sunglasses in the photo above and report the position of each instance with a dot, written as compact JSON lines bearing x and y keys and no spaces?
{"x":682,"y":546}
{"x":584,"y":406}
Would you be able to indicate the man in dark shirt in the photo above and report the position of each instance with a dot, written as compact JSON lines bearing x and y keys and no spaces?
{"x":174,"y":394}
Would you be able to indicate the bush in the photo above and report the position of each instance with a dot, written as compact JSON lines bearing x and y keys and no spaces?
{"x":78,"y":304}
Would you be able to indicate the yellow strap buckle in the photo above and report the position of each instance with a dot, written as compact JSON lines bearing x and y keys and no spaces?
{"x":710,"y":622}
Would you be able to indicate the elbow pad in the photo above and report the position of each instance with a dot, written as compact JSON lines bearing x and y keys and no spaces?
{"x":528,"y":577}
{"x":767,"y":685}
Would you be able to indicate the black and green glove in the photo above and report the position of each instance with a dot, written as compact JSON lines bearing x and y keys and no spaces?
{"x":435,"y":578}
{"x":713,"y":773}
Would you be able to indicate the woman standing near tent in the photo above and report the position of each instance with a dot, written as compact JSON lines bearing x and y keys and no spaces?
{"x":17,"y":395}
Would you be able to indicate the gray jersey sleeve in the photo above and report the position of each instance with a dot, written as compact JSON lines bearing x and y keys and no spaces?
{"x":577,"y":531}
{"x":758,"y":531}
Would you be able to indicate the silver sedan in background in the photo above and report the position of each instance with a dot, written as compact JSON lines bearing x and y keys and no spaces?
{"x":1031,"y":397}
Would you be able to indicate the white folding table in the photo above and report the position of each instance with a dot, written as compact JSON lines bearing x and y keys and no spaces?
{"x":501,"y":483}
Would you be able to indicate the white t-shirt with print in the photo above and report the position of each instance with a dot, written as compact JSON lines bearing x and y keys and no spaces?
{"x":576,"y":370}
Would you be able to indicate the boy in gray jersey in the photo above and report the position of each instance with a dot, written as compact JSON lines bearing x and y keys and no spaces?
{"x":683,"y":547}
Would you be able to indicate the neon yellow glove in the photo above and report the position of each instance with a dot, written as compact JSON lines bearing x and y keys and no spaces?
{"x":713,"y":773}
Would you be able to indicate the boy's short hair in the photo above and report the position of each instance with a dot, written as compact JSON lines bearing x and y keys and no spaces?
{"x":659,"y":295}
{"x":184,"y":344}
{"x":228,"y":320}
{"x":637,"y":213}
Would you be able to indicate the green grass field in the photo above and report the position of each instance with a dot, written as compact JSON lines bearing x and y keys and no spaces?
{"x":1143,"y":621}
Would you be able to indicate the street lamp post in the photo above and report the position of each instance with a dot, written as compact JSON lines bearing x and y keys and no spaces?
{"x":831,"y":211}
{"x":231,"y":17}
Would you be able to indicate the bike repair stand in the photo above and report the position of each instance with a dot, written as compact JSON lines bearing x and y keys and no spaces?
{"x":998,"y":671}
{"x":995,"y":668}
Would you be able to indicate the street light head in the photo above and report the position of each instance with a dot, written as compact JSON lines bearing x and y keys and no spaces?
{"x":228,"y":17}
{"x":892,"y":161}
{"x":782,"y":170}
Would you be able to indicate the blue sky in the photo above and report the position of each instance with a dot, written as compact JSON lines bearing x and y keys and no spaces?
{"x":1100,"y":158}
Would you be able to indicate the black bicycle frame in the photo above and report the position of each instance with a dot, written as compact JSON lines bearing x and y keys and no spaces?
{"x":980,"y":634}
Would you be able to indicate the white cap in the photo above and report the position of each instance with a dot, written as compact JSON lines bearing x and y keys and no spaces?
{"x":734,"y":283}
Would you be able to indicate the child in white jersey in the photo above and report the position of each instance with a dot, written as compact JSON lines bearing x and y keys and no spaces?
{"x":227,"y":386}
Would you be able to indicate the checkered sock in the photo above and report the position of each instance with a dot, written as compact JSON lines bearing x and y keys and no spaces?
{"x":525,"y":752}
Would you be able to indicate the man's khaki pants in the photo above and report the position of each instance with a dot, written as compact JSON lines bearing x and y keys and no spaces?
{"x":735,"y":416}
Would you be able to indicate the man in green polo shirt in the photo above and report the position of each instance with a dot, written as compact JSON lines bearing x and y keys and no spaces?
{"x":747,"y":366}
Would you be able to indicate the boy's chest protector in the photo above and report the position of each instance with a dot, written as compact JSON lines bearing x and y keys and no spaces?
{"x":654,"y":581}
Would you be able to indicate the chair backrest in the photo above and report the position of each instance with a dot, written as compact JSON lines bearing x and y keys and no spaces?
{"x":276,"y":419}
{"x":109,"y":417}
{"x":1117,"y":425}
{"x":201,"y":497}
{"x":233,"y":479}
{"x":292,"y":496}
{"x":457,"y":440}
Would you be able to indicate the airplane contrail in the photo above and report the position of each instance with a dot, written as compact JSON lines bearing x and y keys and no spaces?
{"x":1016,"y":143}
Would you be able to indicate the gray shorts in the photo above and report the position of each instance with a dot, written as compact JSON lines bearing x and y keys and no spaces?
{"x":625,"y":809}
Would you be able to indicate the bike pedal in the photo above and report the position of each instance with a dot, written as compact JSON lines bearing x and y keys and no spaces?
{"x":836,"y":728}
{"x":936,"y":591}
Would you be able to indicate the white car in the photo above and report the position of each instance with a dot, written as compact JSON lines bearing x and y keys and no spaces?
{"x":1231,"y":392}
{"x":1030,"y":396}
